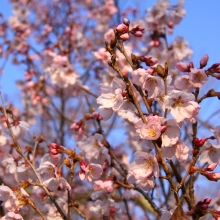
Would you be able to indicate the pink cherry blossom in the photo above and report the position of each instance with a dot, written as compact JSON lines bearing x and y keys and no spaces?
{"x":217,"y":136}
{"x":102,"y":55}
{"x":53,"y":183}
{"x":112,"y":96}
{"x":9,"y":199}
{"x":151,"y":130}
{"x":180,"y":150}
{"x":153,"y":85}
{"x":144,"y":166}
{"x":181,"y":49}
{"x":93,"y":149}
{"x":106,"y":186}
{"x":19,"y":127}
{"x":182,"y":105}
{"x":138,"y":76}
{"x":197,"y":77}
{"x":104,"y":207}
{"x":171,"y":134}
{"x":12,"y":216}
{"x":90,"y":171}
{"x":210,"y":154}
{"x":130,"y":194}
{"x":10,"y":164}
{"x":183,"y":83}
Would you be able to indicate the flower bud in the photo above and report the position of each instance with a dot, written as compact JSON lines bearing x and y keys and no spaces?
{"x":214,"y":66}
{"x":211,"y":176}
{"x":200,"y":143}
{"x":207,"y":201}
{"x":126,"y":21}
{"x":150,"y":61}
{"x":191,"y":65}
{"x":138,"y":34}
{"x":204,"y":61}
{"x":122,"y":28}
{"x":182,"y":67}
{"x":124,"y":37}
{"x":161,"y":71}
{"x":211,"y":167}
{"x":163,"y":129}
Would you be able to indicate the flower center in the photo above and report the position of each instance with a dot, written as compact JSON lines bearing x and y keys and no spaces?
{"x":178,"y":102}
{"x":148,"y":164}
{"x":151,"y":132}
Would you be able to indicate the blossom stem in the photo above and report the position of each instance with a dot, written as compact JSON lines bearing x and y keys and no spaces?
{"x":36,"y":209}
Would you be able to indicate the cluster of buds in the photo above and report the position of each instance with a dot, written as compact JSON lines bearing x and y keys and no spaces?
{"x":200,"y":142}
{"x":78,"y":127}
{"x":214,"y":68}
{"x":200,"y":209}
{"x":97,"y":115}
{"x":137,"y":31}
{"x":55,"y":148}
{"x":206,"y":172}
{"x":148,"y":60}
{"x":123,"y":30}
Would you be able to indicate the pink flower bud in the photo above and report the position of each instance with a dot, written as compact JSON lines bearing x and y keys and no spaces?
{"x":200,"y":143}
{"x":212,"y":176}
{"x":163,"y":129}
{"x":138,"y":34}
{"x":137,"y":31}
{"x":207,"y":201}
{"x":150,"y":70}
{"x":124,"y":37}
{"x":182,"y":67}
{"x":211,"y":167}
{"x":126,"y":21}
{"x":214,"y":66}
{"x":204,"y":61}
{"x":55,"y":149}
{"x":150,"y":61}
{"x":191,"y":65}
{"x":122,"y":28}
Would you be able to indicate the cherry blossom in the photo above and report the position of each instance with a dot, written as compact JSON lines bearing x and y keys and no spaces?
{"x":10,"y":164}
{"x":9,"y":199}
{"x":93,"y":149}
{"x":19,"y":127}
{"x":210,"y":154}
{"x":112,"y":96}
{"x":106,"y":186}
{"x":197,"y":77}
{"x":90,"y":171}
{"x":104,"y":207}
{"x":151,"y":130}
{"x":153,"y":85}
{"x":182,"y":105}
{"x":183,"y":83}
{"x":12,"y":216}
{"x":180,"y":150}
{"x":142,"y":169}
{"x":171,"y":134}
